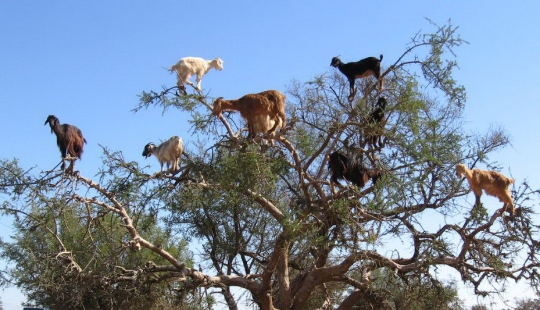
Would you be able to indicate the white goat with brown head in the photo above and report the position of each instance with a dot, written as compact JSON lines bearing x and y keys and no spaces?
{"x":492,"y":182}
{"x":187,"y":66}
{"x":168,"y":152}
{"x":258,"y":109}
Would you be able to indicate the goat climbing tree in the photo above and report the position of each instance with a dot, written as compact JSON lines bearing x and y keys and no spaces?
{"x":271,"y":232}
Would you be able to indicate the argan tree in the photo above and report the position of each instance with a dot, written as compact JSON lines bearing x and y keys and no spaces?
{"x":271,"y":231}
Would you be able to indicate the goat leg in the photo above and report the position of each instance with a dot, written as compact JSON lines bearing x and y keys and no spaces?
{"x":505,"y":208}
{"x":477,"y":203}
{"x":352,"y":94}
{"x":71,"y":166}
{"x":182,"y":88}
{"x":332,"y":188}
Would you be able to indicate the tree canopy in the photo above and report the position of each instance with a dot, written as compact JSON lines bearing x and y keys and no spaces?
{"x":270,"y":229}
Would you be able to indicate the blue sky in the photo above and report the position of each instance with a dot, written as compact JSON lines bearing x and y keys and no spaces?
{"x":86,"y":62}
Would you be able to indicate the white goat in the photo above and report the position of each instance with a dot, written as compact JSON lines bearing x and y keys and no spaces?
{"x":168,"y":152}
{"x":187,"y":66}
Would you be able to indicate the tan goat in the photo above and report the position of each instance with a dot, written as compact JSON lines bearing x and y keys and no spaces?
{"x":492,"y":182}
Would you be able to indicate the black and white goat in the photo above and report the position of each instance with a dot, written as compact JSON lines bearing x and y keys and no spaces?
{"x":187,"y":66}
{"x":342,"y":168}
{"x":360,"y":69}
{"x":168,"y":152}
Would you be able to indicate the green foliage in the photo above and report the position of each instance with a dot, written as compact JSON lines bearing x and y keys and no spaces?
{"x":417,"y":293}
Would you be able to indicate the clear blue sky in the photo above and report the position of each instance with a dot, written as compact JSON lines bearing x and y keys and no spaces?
{"x":86,"y":62}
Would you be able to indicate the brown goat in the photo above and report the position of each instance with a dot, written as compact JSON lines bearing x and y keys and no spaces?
{"x":266,"y":125}
{"x":344,"y":168}
{"x":267,"y":103}
{"x":69,"y":140}
{"x":492,"y":182}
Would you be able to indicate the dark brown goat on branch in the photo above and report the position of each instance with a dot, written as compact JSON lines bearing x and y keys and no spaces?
{"x":343,"y":168}
{"x":69,"y":140}
{"x":376,"y":122}
{"x":360,"y":69}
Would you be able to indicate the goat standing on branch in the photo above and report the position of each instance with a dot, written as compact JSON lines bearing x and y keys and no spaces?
{"x":377,"y":120}
{"x":353,"y":70}
{"x":187,"y":66}
{"x":258,"y":110}
{"x":69,"y":140}
{"x":265,"y":124}
{"x":344,"y":168}
{"x":492,"y":182}
{"x":168,"y":152}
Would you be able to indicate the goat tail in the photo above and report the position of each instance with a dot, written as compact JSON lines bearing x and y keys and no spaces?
{"x":173,"y":68}
{"x":381,"y":57}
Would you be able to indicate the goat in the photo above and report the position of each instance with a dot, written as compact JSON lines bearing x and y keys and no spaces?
{"x":269,"y":103}
{"x":342,"y":167}
{"x":266,"y":125}
{"x":492,"y":182}
{"x":168,"y":152}
{"x":187,"y":66}
{"x":377,"y":121}
{"x":365,"y":67}
{"x":69,"y":140}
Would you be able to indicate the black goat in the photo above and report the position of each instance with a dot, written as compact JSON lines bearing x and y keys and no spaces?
{"x":344,"y":168}
{"x":353,"y":70}
{"x":68,"y":138}
{"x":376,"y":120}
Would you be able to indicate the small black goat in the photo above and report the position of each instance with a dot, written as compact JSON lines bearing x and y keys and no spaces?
{"x":68,"y":138}
{"x":344,"y":168}
{"x":376,"y":121}
{"x":353,"y":70}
